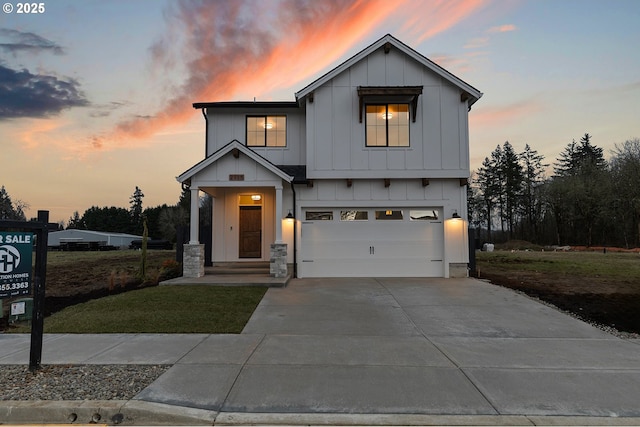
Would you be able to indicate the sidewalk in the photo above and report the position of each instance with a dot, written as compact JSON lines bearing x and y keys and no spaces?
{"x":365,"y":351}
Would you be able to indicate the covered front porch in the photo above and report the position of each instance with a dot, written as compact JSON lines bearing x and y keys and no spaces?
{"x":250,"y":201}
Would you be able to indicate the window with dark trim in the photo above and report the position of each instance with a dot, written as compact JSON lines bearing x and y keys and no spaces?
{"x":387,"y":125}
{"x":389,"y":215}
{"x":424,"y":214}
{"x":319,"y":215}
{"x":266,"y":131}
{"x":354,"y":215}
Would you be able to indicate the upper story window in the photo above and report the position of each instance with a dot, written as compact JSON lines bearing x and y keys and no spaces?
{"x":266,"y":131}
{"x":387,"y":125}
{"x":386,"y":113}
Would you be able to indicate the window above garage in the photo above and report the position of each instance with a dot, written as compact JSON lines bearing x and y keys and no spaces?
{"x":387,"y":111}
{"x":387,"y":125}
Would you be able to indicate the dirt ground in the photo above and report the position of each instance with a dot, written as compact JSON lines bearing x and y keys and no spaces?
{"x":90,"y":276}
{"x":613,"y":303}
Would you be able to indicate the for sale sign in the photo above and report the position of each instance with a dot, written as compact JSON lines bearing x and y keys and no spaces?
{"x":16,"y":251}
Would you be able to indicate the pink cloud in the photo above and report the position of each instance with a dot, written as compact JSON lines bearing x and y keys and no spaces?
{"x":503,"y":115}
{"x":228,"y":49}
{"x":502,"y":28}
{"x":438,"y":16}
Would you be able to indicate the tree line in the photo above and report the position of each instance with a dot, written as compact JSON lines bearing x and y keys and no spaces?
{"x":587,"y":201}
{"x":162,"y":221}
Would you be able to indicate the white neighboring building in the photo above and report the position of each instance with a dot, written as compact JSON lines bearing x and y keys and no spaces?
{"x":119,"y":240}
{"x":364,"y":174}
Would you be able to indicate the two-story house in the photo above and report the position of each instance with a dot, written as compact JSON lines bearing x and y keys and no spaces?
{"x":364,"y":174}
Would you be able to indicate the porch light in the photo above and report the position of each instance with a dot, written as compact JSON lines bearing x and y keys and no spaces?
{"x":289,"y":215}
{"x":256,"y":197}
{"x":455,"y":215}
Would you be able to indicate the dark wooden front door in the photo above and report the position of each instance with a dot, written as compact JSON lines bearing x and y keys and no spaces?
{"x":250,"y":232}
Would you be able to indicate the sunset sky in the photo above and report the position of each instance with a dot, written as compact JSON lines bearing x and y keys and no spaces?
{"x":96,"y":95}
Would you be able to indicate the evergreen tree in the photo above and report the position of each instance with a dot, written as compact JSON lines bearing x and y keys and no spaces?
{"x":75,"y":222}
{"x":512,"y":175}
{"x":532,"y":205}
{"x":488,"y":189}
{"x":117,"y":220}
{"x":578,"y":190}
{"x":135,"y":210}
{"x":11,"y":210}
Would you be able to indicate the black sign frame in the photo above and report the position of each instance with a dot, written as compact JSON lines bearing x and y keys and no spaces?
{"x":40,"y":229}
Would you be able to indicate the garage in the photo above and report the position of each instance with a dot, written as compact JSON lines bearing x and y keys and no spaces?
{"x":375,"y":242}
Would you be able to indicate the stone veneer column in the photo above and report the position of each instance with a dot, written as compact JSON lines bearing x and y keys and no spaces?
{"x":193,"y":260}
{"x":278,"y":262}
{"x":458,"y":269}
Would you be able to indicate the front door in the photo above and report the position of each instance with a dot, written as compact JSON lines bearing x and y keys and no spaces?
{"x":250,"y":232}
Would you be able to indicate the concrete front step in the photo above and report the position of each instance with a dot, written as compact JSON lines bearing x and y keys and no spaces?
{"x":244,"y":268}
{"x":231,"y":280}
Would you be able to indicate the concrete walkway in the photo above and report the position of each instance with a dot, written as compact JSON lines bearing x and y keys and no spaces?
{"x":368,"y":351}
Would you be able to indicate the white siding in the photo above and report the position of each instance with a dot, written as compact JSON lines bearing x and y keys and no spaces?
{"x":336,"y":138}
{"x":226,"y":125}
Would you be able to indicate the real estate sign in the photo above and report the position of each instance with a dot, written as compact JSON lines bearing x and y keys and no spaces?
{"x":16,"y":251}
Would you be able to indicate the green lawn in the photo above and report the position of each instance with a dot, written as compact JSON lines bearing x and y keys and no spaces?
{"x":616,"y":266}
{"x":161,"y":309}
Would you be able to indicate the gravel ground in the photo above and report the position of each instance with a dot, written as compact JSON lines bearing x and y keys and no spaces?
{"x":77,"y":382}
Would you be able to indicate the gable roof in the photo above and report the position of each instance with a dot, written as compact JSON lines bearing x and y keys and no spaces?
{"x":386,"y":42}
{"x":233,"y":145}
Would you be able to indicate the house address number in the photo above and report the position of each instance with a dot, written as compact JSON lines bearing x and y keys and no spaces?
{"x":236,"y":177}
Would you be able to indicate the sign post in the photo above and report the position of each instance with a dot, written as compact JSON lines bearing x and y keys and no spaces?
{"x":37,"y":321}
{"x":16,"y":249}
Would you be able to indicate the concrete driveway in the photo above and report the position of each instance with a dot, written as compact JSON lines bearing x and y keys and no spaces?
{"x":407,"y":346}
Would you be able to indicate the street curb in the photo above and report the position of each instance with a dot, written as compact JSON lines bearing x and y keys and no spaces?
{"x":332,"y":419}
{"x":137,"y":412}
{"x":109,"y":412}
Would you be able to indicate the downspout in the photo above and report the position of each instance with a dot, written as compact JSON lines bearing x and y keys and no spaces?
{"x":206,"y":133}
{"x":295,"y":234}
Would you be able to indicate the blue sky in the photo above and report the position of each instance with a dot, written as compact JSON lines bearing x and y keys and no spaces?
{"x":95,"y":96}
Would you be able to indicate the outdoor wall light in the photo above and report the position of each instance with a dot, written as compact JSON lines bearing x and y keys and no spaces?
{"x":455,"y":215}
{"x":289,"y":215}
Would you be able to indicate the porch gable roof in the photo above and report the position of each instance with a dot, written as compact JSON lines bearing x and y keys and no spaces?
{"x":234,"y":146}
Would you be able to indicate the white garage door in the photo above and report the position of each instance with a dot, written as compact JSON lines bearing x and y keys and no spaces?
{"x":359,"y":242}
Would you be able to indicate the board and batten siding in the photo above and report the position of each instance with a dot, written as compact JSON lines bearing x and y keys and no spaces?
{"x":336,"y":138}
{"x":444,"y":193}
{"x":226,"y":125}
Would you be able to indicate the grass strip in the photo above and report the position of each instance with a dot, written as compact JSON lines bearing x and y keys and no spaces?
{"x":161,"y":309}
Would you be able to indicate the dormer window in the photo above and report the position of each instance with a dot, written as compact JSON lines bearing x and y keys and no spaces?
{"x":266,"y":131}
{"x":387,"y":125}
